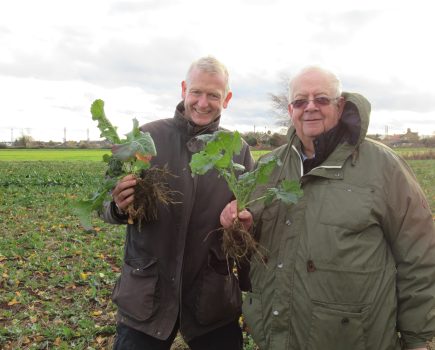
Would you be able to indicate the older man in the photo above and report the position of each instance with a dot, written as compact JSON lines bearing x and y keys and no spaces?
{"x":352,"y":264}
{"x":175,"y":275}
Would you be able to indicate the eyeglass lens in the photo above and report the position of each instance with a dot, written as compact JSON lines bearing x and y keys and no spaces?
{"x":321,"y":101}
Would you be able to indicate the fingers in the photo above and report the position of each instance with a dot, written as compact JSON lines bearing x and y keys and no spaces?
{"x":229,"y":214}
{"x":123,"y":193}
{"x":245,"y":217}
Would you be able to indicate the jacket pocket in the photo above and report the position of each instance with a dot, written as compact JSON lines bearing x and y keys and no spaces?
{"x":336,"y":326}
{"x":135,"y":290}
{"x":253,"y":315}
{"x":346,"y":206}
{"x":218,"y":295}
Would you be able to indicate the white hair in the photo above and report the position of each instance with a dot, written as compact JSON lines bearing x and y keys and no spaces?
{"x":333,"y":78}
{"x":210,"y":64}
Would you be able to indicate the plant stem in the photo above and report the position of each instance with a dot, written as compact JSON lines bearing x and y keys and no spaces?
{"x":253,"y":201}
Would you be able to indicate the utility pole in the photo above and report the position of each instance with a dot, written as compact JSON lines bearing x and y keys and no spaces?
{"x":64,"y":135}
{"x":12,"y":135}
{"x":87,"y":134}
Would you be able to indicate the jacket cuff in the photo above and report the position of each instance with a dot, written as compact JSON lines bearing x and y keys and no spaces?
{"x":116,"y":213}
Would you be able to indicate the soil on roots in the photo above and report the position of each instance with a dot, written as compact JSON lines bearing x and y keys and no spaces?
{"x":238,"y":243}
{"x":150,"y":191}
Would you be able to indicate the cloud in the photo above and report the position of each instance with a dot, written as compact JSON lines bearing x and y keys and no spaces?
{"x":4,"y":30}
{"x":337,"y":28}
{"x":392,"y":94}
{"x":151,"y":66}
{"x":134,"y":7}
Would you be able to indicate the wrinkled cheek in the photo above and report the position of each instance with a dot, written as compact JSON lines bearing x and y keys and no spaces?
{"x":298,"y":126}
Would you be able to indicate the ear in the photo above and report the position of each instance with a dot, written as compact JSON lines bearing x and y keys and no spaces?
{"x":183,"y":89}
{"x":290,"y":110}
{"x":227,"y":99}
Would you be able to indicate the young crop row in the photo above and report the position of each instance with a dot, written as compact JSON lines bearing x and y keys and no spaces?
{"x":45,"y":174}
{"x":55,"y":277}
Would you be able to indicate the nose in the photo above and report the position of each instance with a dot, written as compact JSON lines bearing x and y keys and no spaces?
{"x":311,"y":105}
{"x":202,"y":100}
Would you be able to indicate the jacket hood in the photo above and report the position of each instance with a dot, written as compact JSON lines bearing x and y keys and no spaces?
{"x":356,"y":116}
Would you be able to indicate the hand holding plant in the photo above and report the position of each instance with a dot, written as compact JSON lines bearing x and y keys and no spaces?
{"x":130,"y":155}
{"x":218,"y":154}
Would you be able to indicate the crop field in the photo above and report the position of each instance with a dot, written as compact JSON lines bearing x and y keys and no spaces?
{"x":13,"y":155}
{"x":56,"y":278}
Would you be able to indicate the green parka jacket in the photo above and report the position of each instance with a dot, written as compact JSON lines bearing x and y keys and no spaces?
{"x":352,"y":265}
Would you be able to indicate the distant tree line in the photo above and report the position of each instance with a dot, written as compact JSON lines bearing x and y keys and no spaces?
{"x":258,"y":140}
{"x":26,"y":141}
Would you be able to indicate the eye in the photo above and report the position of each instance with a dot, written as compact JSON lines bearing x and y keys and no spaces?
{"x":214,"y":96}
{"x":322,"y":100}
{"x":299,"y":103}
{"x":195,"y":92}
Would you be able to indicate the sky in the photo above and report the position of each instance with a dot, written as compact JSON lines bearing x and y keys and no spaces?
{"x":57,"y":57}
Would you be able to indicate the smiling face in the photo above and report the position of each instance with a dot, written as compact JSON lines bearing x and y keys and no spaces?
{"x":313,"y":119}
{"x":204,"y":96}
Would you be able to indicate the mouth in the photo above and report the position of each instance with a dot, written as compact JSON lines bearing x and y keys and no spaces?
{"x":201,"y":112}
{"x":311,"y":117}
{"x":312,"y":120}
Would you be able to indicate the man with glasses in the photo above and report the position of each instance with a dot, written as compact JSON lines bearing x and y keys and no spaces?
{"x":352,"y":264}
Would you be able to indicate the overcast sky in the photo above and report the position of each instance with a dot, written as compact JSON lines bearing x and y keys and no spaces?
{"x":57,"y":56}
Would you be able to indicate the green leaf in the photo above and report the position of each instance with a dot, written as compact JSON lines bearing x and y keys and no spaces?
{"x":107,"y":158}
{"x":129,"y":155}
{"x":137,"y":142}
{"x":108,"y":131}
{"x":265,"y":168}
{"x":115,"y":167}
{"x":218,"y":152}
{"x":85,"y":208}
{"x":238,"y":167}
{"x":201,"y":163}
{"x":135,"y":132}
{"x":139,"y":166}
{"x":288,"y":191}
{"x":291,"y":186}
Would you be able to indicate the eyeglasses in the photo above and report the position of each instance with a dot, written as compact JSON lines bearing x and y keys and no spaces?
{"x":318,"y":101}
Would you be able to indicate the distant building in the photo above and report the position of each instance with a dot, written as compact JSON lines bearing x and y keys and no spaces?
{"x":410,"y":136}
{"x":400,"y":139}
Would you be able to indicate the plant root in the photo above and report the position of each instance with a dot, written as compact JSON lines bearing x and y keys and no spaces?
{"x":239,"y":244}
{"x":150,"y":191}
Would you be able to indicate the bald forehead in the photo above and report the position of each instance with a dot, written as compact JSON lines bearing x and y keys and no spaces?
{"x":314,"y":81}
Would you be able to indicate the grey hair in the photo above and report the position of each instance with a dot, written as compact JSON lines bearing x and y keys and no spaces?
{"x":333,"y":78}
{"x":210,"y":64}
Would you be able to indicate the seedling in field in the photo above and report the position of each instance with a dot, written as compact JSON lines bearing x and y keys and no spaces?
{"x":220,"y":148}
